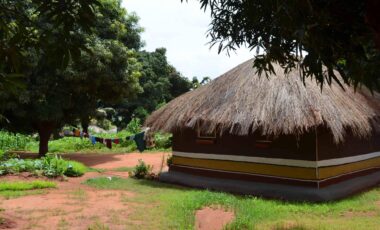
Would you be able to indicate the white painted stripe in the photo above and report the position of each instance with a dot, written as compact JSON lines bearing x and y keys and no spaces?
{"x":346,"y":160}
{"x":279,"y":161}
{"x":275,"y":161}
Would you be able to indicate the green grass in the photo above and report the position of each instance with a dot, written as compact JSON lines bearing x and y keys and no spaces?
{"x":123,"y":169}
{"x":98,"y":170}
{"x":172,"y":207}
{"x":75,"y":169}
{"x":26,"y":185}
{"x":16,"y":189}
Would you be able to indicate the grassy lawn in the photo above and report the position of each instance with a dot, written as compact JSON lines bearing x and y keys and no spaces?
{"x":161,"y":206}
{"x":22,"y":188}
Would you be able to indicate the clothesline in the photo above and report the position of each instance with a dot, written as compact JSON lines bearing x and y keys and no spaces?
{"x":138,"y":138}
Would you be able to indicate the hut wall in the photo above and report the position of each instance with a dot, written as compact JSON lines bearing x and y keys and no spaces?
{"x":352,"y":146}
{"x":284,"y":160}
{"x":354,"y":157}
{"x":311,"y":160}
{"x":284,"y":147}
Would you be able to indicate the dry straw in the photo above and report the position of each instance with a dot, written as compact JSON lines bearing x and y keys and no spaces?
{"x":240,"y":102}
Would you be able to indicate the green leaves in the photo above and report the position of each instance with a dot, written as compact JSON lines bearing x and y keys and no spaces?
{"x":316,"y":35}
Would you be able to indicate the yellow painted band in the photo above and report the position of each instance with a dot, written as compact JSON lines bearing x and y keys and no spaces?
{"x":277,"y":170}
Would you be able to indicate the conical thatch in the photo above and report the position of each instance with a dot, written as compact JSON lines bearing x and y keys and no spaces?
{"x":241,"y":102}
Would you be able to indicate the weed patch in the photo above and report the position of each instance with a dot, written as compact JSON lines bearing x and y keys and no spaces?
{"x":50,"y":166}
{"x":16,"y":189}
{"x":23,"y":185}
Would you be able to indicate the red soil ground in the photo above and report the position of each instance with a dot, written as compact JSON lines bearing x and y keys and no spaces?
{"x":74,"y":205}
{"x":212,"y":218}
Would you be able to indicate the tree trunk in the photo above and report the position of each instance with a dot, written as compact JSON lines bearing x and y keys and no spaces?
{"x":45,"y":129}
{"x":85,"y":123}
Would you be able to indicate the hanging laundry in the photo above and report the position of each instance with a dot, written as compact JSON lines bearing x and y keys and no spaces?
{"x":100,"y":140}
{"x":76,"y":132}
{"x":67,"y":133}
{"x":108,"y":143}
{"x":93,"y":139}
{"x":140,"y":142}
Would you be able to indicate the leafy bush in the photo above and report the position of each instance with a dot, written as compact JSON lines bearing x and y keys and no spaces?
{"x":2,"y":155}
{"x":75,"y":169}
{"x":71,"y":144}
{"x":11,"y":141}
{"x":142,"y":170}
{"x":54,"y":166}
{"x":134,"y":126}
{"x":7,"y":155}
{"x":50,"y":166}
{"x":163,"y":141}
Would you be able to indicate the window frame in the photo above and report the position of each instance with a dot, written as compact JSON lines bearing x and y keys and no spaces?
{"x":212,"y":136}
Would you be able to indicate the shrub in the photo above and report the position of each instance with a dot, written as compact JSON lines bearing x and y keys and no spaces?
{"x":140,"y":113}
{"x":163,"y":141}
{"x":75,"y":169}
{"x":142,"y":170}
{"x":2,"y":155}
{"x":7,"y":155}
{"x":134,"y":126}
{"x":70,"y":144}
{"x":54,"y":166}
{"x":11,"y":141}
{"x":49,"y":166}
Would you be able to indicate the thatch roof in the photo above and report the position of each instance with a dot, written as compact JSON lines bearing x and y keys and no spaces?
{"x":241,"y":102}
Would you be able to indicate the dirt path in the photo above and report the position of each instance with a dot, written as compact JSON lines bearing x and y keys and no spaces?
{"x":76,"y":206}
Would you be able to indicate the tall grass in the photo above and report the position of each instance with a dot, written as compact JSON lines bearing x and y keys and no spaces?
{"x":14,"y":141}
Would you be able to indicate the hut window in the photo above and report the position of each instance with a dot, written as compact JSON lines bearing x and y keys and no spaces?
{"x":263,"y":142}
{"x":205,"y":135}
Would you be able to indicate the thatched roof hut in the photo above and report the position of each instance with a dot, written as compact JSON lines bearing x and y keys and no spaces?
{"x":241,"y":102}
{"x":278,"y":136}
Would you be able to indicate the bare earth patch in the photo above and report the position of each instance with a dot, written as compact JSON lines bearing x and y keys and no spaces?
{"x":6,"y":222}
{"x":73,"y":205}
{"x":212,"y":219}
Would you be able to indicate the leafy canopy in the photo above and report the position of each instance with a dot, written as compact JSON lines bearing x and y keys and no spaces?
{"x":100,"y":68}
{"x":160,"y":82}
{"x":320,"y":36}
